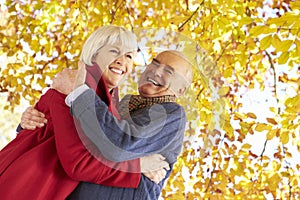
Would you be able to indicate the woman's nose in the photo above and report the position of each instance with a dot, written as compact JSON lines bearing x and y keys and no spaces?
{"x":121,"y":60}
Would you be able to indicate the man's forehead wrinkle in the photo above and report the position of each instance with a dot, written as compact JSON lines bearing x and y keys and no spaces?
{"x":155,"y":60}
{"x":166,"y":65}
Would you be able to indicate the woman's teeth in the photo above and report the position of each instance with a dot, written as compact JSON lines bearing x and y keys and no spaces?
{"x":118,"y":71}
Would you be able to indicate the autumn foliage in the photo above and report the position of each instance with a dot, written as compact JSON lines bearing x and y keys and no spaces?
{"x":246,"y":54}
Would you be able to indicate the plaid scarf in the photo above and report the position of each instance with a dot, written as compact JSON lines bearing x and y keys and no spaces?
{"x":131,"y":103}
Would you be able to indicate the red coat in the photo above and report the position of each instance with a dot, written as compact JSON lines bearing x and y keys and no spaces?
{"x":49,"y":162}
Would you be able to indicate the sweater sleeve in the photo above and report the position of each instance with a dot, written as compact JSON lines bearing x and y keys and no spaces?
{"x":148,"y":131}
{"x":19,"y":128}
{"x":78,"y":162}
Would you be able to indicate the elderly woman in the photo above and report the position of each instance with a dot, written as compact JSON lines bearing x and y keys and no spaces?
{"x":49,"y":162}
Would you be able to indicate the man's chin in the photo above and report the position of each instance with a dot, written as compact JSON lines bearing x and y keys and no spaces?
{"x":149,"y":93}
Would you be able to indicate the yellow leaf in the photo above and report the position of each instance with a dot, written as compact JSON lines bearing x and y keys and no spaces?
{"x":283,"y":58}
{"x":286,"y":19}
{"x":251,"y":115}
{"x":246,"y":146}
{"x":273,"y":182}
{"x":271,"y":134}
{"x":239,"y":116}
{"x":14,"y":82}
{"x":251,"y":85}
{"x":285,"y":45}
{"x":229,"y":130}
{"x":240,"y":168}
{"x":245,"y":124}
{"x":258,"y":30}
{"x":272,"y":121}
{"x":223,"y":91}
{"x":203,"y":115}
{"x":295,"y":26}
{"x":295,"y":182}
{"x":266,"y":42}
{"x":292,"y":102}
{"x":297,"y":42}
{"x":284,"y":137}
{"x":295,"y":5}
{"x":262,"y":127}
{"x":228,"y":72}
{"x":245,"y":21}
{"x":272,"y":109}
{"x":276,"y":42}
{"x":19,"y":88}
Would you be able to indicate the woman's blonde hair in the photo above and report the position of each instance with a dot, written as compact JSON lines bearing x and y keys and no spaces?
{"x":107,"y":35}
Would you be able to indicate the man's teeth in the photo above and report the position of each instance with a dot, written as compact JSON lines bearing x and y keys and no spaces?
{"x":154,"y":82}
{"x":116,"y":71}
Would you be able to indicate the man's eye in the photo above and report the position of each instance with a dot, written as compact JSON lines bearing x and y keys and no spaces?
{"x":169,"y":72}
{"x":156,"y":64}
{"x":129,"y":56}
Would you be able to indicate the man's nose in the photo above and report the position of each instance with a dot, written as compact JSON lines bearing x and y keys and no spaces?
{"x":158,"y":71}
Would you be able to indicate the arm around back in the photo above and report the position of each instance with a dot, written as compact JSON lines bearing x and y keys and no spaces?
{"x":77,"y":161}
{"x":148,"y":131}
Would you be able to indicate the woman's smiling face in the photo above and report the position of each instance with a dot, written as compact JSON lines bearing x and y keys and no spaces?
{"x":115,"y":63}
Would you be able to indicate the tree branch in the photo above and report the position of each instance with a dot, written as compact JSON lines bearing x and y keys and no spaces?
{"x":264,"y":149}
{"x":186,"y":21}
{"x":114,"y":11}
{"x":129,"y":14}
{"x":275,"y":82}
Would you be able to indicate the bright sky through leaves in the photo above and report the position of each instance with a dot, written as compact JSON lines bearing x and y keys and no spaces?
{"x":242,"y":137}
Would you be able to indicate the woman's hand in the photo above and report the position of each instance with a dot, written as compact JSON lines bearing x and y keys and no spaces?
{"x":32,"y":119}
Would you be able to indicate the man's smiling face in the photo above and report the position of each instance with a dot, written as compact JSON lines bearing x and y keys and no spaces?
{"x":165,"y":75}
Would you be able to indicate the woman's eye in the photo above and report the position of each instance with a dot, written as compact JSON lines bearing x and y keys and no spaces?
{"x":129,"y":56}
{"x":114,"y":51}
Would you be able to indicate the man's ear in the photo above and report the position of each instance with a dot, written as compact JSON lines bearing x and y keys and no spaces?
{"x":181,"y":91}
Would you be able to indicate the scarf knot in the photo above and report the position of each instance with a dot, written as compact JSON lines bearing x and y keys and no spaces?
{"x":131,"y":103}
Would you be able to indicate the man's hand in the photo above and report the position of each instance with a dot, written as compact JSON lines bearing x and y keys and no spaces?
{"x":32,"y":119}
{"x":81,"y":75}
{"x":153,"y":166}
{"x":64,"y":81}
{"x":156,"y":176}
